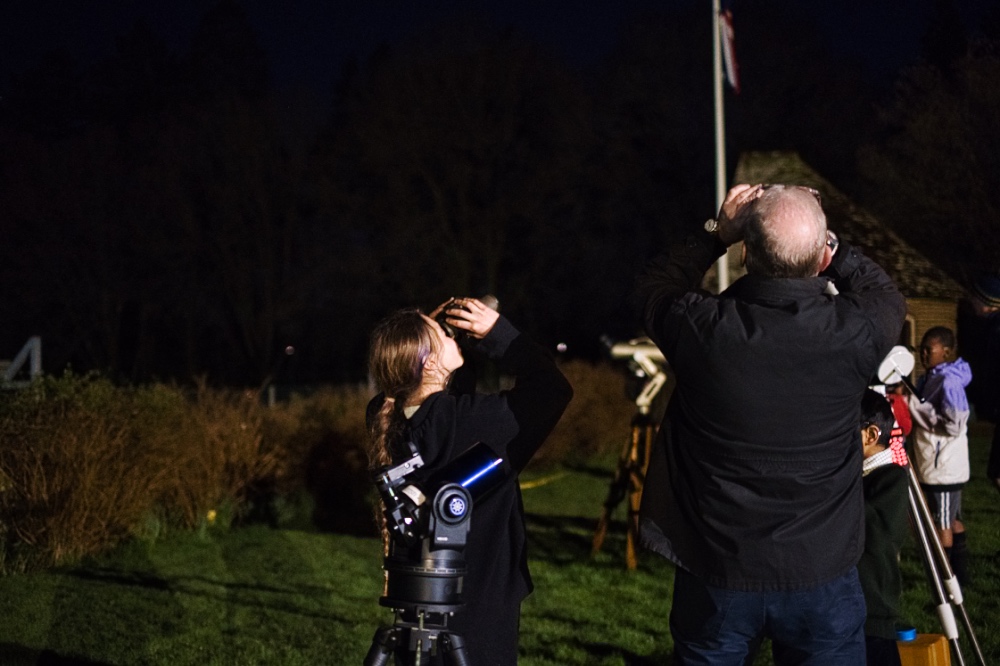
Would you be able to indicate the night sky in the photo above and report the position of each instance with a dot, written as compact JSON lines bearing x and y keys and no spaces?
{"x":307,"y":41}
{"x":611,"y":149}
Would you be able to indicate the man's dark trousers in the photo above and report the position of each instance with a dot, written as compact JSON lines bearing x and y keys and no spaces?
{"x":816,"y":626}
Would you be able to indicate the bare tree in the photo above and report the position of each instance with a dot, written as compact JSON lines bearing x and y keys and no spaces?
{"x":447,"y":149}
{"x":160,"y":220}
{"x":934,"y":175}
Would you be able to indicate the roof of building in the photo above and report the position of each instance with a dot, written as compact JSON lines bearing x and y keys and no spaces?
{"x":914,"y":274}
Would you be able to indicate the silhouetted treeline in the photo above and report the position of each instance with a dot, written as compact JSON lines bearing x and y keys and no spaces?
{"x":167,"y":215}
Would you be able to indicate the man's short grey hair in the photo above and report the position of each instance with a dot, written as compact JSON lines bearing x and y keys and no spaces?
{"x":785,"y":255}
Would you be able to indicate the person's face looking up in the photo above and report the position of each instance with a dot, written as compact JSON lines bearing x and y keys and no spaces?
{"x":447,"y":355}
{"x":933,"y":353}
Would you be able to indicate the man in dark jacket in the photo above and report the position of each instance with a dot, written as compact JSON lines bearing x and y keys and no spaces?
{"x":754,"y":487}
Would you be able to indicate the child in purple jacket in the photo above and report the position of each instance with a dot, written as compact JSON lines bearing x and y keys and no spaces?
{"x":939,"y":439}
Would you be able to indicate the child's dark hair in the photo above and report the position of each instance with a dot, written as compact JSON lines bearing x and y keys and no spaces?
{"x":942,"y":334}
{"x":876,"y":411}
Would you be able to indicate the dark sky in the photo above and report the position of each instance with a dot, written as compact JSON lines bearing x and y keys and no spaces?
{"x":308,"y":40}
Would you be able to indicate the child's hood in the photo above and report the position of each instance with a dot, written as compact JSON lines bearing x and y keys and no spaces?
{"x":958,"y":370}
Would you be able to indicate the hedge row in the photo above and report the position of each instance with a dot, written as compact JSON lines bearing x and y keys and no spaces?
{"x":85,"y":464}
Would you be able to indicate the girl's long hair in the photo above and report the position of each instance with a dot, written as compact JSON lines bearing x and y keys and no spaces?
{"x":400,"y":344}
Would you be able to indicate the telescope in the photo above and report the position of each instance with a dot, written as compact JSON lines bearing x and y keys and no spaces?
{"x":648,"y":365}
{"x":428,"y":515}
{"x":645,"y":361}
{"x":896,"y":367}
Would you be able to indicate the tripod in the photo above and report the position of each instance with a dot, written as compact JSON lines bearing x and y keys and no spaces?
{"x":895,"y":368}
{"x":429,"y":518}
{"x":419,"y":634}
{"x":646,"y":363}
{"x":944,"y":584}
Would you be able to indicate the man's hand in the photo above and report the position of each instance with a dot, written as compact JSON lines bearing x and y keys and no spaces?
{"x":732,"y":216}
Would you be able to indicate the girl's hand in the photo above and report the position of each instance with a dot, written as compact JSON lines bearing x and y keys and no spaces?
{"x":475,"y":319}
{"x":436,"y":311}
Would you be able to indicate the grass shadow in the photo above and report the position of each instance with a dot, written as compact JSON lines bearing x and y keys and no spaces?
{"x":560,"y":538}
{"x":19,"y":655}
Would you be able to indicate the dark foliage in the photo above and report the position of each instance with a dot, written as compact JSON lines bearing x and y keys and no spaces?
{"x":168,"y":215}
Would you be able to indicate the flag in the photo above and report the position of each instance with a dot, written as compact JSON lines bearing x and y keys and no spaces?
{"x":729,"y":50}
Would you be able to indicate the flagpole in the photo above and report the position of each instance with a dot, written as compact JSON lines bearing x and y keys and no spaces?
{"x":722,"y":265}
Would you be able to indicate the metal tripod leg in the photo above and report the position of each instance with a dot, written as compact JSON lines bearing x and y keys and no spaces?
{"x":944,"y":611}
{"x":417,"y":640}
{"x":942,"y":578}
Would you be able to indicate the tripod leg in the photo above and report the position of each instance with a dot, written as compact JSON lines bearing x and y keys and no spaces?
{"x":616,"y":492}
{"x":946,"y":580}
{"x":452,"y":647}
{"x":383,"y":645}
{"x":945,"y":614}
{"x":639,"y":460}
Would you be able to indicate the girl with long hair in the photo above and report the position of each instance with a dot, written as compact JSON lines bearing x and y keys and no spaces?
{"x":417,"y":367}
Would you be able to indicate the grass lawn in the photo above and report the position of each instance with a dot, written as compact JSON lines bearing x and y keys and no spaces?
{"x":256,"y":595}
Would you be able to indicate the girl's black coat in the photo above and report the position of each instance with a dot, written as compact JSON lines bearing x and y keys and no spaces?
{"x":514,"y":423}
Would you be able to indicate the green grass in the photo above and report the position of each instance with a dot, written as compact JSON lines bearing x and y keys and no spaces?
{"x":255,"y":595}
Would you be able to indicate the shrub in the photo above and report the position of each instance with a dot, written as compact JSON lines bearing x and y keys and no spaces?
{"x":597,"y":420}
{"x":211,"y":449}
{"x":77,"y":479}
{"x":85,"y":464}
{"x":322,"y":437}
